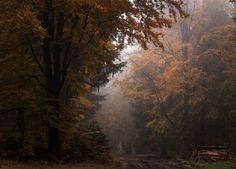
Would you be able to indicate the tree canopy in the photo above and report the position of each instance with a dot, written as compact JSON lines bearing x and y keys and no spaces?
{"x":54,"y":51}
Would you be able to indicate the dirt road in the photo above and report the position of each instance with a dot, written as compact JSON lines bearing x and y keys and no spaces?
{"x":149,"y":162}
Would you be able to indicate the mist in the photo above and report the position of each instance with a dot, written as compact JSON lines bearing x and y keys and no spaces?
{"x":118,"y":84}
{"x":130,"y":126}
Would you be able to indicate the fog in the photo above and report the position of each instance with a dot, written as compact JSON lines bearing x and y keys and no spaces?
{"x":130,"y":115}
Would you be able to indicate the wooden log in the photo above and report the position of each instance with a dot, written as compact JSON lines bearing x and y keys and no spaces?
{"x":212,"y":153}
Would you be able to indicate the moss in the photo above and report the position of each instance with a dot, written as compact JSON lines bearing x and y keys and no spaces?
{"x":219,"y":165}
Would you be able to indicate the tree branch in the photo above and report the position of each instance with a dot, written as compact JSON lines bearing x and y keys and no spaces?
{"x":9,"y":110}
{"x":35,"y":57}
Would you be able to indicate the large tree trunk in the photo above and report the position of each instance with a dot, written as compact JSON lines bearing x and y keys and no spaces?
{"x":54,"y":141}
{"x":54,"y":120}
{"x":53,"y":22}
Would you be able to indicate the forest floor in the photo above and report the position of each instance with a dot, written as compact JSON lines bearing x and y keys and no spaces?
{"x":149,"y":162}
{"x":219,"y":165}
{"x":152,"y":162}
{"x":125,"y":163}
{"x":6,"y":164}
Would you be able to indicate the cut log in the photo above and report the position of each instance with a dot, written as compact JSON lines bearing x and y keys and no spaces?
{"x":210,"y":153}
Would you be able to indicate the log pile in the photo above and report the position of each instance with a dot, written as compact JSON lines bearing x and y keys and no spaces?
{"x":210,"y":153}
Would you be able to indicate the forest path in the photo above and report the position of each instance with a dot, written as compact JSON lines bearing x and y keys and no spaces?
{"x":149,"y":161}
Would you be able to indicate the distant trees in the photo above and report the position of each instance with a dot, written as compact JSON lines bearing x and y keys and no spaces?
{"x":183,"y":91}
{"x":53,"y":49}
{"x":217,"y":57}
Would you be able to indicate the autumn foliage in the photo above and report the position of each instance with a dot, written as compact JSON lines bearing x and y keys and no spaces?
{"x":53,"y":53}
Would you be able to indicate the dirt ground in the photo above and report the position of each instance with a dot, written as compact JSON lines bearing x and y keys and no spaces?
{"x":126,"y":163}
{"x":44,"y":165}
{"x":150,"y":162}
{"x":123,"y":162}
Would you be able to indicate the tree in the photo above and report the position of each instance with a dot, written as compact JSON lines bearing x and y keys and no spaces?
{"x":216,"y":58}
{"x":181,"y":89}
{"x":57,"y":34}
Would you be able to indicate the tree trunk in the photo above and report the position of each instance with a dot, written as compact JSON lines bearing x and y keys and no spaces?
{"x":164,"y":144}
{"x":54,"y":120}
{"x":185,"y":33}
{"x":54,"y":141}
{"x":54,"y":132}
{"x":21,"y":125}
{"x":53,"y":22}
{"x":202,"y":141}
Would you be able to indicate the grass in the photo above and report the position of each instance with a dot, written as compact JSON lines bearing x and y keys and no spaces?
{"x":19,"y":165}
{"x":219,"y":165}
{"x":208,"y":165}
